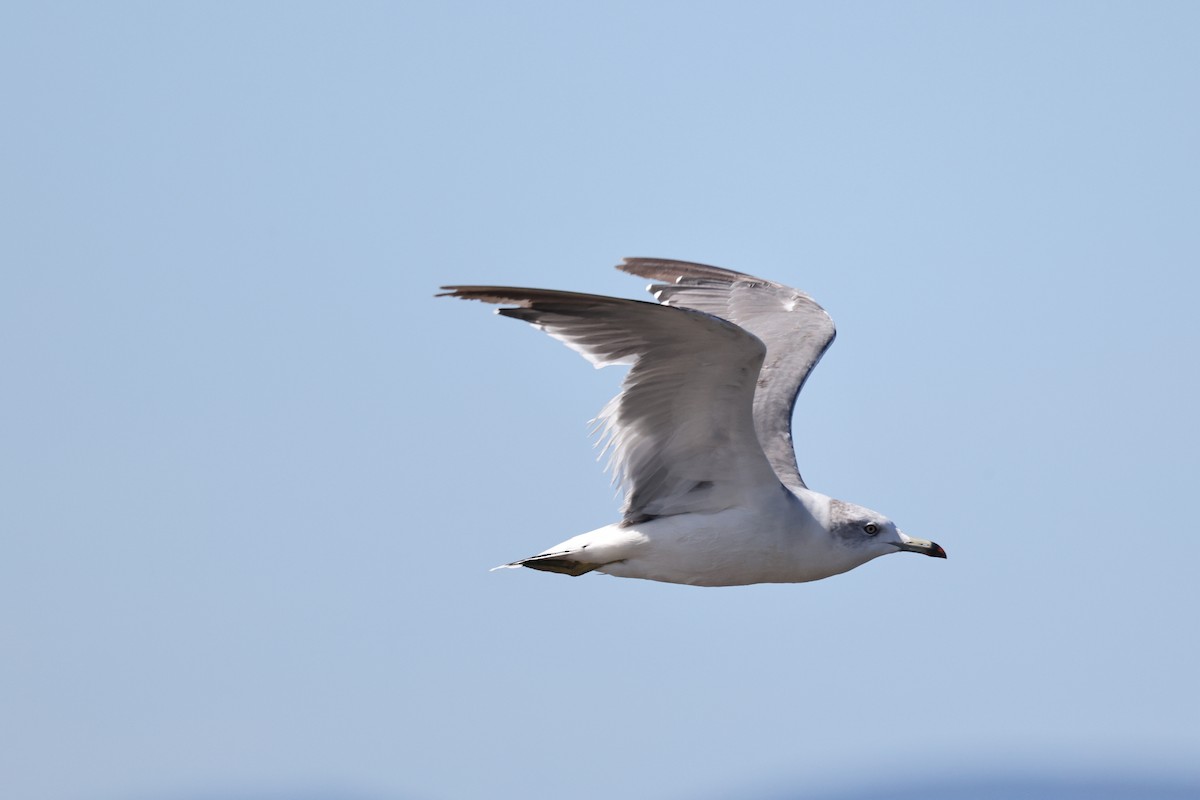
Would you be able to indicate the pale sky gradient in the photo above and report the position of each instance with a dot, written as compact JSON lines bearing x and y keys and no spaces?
{"x":252,"y":475}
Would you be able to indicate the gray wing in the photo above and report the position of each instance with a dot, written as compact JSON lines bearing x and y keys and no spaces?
{"x":681,"y":431}
{"x":795,"y":330}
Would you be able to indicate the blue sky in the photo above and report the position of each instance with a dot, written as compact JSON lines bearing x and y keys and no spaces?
{"x":253,"y":474}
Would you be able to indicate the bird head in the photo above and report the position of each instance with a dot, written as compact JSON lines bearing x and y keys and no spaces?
{"x":872,"y":534}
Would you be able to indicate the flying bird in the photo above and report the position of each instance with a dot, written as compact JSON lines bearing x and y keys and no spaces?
{"x":700,"y":435}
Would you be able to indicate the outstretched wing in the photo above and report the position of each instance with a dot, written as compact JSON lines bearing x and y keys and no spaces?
{"x":795,"y":330}
{"x":681,"y":431}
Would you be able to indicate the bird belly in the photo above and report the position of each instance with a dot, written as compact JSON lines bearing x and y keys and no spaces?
{"x":727,"y":548}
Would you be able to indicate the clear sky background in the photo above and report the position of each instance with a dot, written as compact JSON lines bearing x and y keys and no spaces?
{"x":253,"y":475}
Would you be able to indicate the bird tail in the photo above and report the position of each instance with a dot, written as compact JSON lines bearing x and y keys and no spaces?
{"x":552,"y":562}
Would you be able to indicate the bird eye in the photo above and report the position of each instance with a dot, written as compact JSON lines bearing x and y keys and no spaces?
{"x":871,"y":528}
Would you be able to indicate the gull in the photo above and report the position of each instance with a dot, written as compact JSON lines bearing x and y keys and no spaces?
{"x":700,"y":435}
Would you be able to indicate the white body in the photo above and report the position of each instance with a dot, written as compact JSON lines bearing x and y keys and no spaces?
{"x":781,"y":539}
